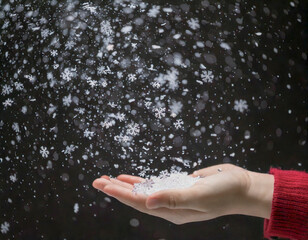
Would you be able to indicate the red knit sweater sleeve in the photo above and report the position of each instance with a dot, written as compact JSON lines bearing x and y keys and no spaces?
{"x":289,"y":215}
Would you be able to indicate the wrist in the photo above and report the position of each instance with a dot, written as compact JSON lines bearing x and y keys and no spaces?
{"x":259,"y":195}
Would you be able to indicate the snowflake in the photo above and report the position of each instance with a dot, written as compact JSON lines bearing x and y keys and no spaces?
{"x":131,"y":77}
{"x":193,"y":23}
{"x":164,"y":174}
{"x":104,"y":83}
{"x":134,"y":45}
{"x":80,"y":110}
{"x":15,"y":127}
{"x":160,"y":112}
{"x":107,"y":123}
{"x":109,"y":47}
{"x":69,"y":149}
{"x":154,"y":11}
{"x":91,"y":9}
{"x":67,"y":74}
{"x":45,"y":33}
{"x":76,"y":208}
{"x":112,"y":104}
{"x":92,"y":82}
{"x":8,"y":102}
{"x":160,"y":79}
{"x":176,"y":108}
{"x":5,"y":227}
{"x":6,"y":90}
{"x":133,"y":129}
{"x":120,"y":117}
{"x":106,"y":28}
{"x":155,"y":84}
{"x":103,"y":70}
{"x":19,"y":86}
{"x":240,"y":105}
{"x":54,"y":53}
{"x":30,"y":77}
{"x":13,"y":178}
{"x":207,"y":76}
{"x":88,"y":134}
{"x":179,"y":124}
{"x":172,"y":78}
{"x":147,"y":104}
{"x":123,"y":139}
{"x":44,"y":152}
{"x":43,"y":20}
{"x":126,"y":139}
{"x":69,"y":45}
{"x":148,"y":183}
{"x":6,"y":24}
{"x":132,"y":5}
{"x":67,"y":100}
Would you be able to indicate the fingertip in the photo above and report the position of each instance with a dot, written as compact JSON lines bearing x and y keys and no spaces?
{"x":121,"y":176}
{"x":100,"y":183}
{"x":95,"y":183}
{"x":106,"y":177}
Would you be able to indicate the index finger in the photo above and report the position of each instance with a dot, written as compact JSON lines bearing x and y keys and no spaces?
{"x":130,"y":179}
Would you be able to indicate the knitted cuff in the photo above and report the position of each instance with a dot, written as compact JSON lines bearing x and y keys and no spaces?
{"x":289,"y":214}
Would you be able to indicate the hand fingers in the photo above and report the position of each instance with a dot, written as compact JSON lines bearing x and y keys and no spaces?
{"x":130,"y":179}
{"x":100,"y":183}
{"x":123,"y":184}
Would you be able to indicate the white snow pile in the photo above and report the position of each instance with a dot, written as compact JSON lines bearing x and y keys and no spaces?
{"x":165,"y":181}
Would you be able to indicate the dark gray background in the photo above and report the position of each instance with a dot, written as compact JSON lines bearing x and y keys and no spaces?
{"x":40,"y":203}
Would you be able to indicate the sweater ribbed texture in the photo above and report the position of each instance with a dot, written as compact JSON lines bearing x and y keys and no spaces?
{"x":289,"y":214}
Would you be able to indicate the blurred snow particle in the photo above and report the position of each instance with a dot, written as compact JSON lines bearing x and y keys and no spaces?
{"x":13,"y":177}
{"x":225,"y":46}
{"x":126,"y":29}
{"x":247,"y":134}
{"x":134,"y":222}
{"x":107,"y":199}
{"x":76,"y":208}
{"x":175,"y":108}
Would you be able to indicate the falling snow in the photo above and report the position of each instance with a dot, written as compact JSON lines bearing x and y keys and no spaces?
{"x":108,"y":87}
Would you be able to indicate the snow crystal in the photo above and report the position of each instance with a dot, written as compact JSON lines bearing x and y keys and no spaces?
{"x":5,"y":227}
{"x":240,"y":105}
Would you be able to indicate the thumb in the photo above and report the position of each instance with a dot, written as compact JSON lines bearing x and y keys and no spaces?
{"x":172,"y":199}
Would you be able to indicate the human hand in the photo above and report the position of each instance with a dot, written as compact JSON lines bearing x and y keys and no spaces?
{"x":233,"y":190}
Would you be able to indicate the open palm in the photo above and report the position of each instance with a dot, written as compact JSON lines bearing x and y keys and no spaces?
{"x":215,"y":194}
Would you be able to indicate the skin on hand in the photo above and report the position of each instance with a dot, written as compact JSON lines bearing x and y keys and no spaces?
{"x":234,"y":190}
